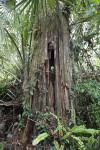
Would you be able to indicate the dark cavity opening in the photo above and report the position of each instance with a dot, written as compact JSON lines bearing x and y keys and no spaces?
{"x":52,"y":67}
{"x":52,"y":73}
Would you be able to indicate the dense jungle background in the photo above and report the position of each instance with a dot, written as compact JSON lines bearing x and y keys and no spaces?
{"x":49,"y":74}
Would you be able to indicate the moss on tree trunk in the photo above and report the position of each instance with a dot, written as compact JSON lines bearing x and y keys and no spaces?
{"x":52,"y":62}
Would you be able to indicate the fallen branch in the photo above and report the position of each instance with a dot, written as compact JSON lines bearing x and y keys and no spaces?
{"x":90,"y":75}
{"x":11,"y":103}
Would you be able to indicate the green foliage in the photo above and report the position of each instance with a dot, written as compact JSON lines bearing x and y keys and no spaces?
{"x":77,"y":134}
{"x":42,"y":121}
{"x":20,"y":123}
{"x":2,"y":144}
{"x":9,"y":136}
{"x":87,"y":96}
{"x":83,"y":129}
{"x":98,"y":1}
{"x":40,"y":138}
{"x":60,"y":127}
{"x":80,"y":144}
{"x":16,"y":49}
{"x":57,"y":145}
{"x":93,"y":144}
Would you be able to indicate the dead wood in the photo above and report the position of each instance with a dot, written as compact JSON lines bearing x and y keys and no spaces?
{"x":11,"y":103}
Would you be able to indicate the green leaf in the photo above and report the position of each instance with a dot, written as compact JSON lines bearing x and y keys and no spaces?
{"x":39,"y":138}
{"x":73,"y":128}
{"x":98,"y":1}
{"x":54,"y":115}
{"x":31,"y":92}
{"x":62,"y":147}
{"x":16,"y":123}
{"x":80,"y":144}
{"x":96,"y":11}
{"x":82,"y":90}
{"x":9,"y":135}
{"x":52,"y":68}
{"x":26,"y":90}
{"x":10,"y":4}
{"x":65,"y":137}
{"x":83,"y":129}
{"x":56,"y":130}
{"x":34,"y":88}
{"x":24,"y":102}
{"x":27,"y":86}
{"x":56,"y":144}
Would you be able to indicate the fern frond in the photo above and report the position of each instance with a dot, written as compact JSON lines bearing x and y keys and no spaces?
{"x":83,"y":129}
{"x":56,"y":144}
{"x":80,"y":144}
{"x":40,"y":138}
{"x":62,"y":147}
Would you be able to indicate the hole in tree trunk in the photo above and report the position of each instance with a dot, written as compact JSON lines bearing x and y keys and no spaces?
{"x":51,"y":68}
{"x":51,"y":76}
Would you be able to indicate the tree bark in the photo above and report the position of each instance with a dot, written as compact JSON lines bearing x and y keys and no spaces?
{"x":52,"y":62}
{"x":52,"y":56}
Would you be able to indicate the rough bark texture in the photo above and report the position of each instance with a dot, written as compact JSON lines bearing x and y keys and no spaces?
{"x":52,"y":57}
{"x":51,"y":70}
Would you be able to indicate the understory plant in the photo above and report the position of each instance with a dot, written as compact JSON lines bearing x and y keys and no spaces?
{"x":86,"y":96}
{"x":2,"y":144}
{"x":77,"y":137}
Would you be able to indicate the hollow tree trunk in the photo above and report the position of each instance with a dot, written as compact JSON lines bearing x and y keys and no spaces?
{"x":52,"y":59}
{"x":52,"y":55}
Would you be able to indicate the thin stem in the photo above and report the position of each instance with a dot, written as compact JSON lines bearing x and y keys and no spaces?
{"x":14,"y":43}
{"x":23,"y":51}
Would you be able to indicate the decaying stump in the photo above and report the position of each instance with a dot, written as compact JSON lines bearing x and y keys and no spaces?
{"x":52,"y":55}
{"x":51,"y":69}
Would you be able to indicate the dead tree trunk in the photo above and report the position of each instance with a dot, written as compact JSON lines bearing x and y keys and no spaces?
{"x":52,"y":55}
{"x":52,"y":59}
